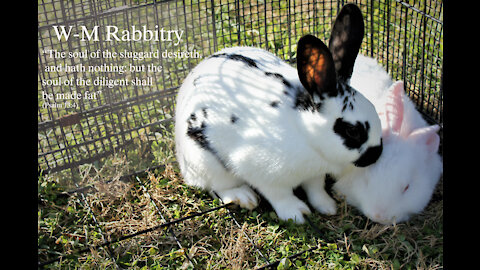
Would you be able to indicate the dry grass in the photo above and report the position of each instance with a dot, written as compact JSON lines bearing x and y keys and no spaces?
{"x":214,"y":240}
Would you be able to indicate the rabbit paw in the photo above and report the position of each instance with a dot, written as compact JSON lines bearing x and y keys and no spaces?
{"x":323,"y":203}
{"x":318,"y":197}
{"x":243,"y":196}
{"x":292,"y":209}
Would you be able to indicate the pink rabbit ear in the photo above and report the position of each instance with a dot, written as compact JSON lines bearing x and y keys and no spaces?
{"x":394,"y":107}
{"x":428,"y":136}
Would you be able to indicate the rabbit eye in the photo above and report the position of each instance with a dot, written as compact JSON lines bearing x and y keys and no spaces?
{"x":353,"y":132}
{"x":354,"y":136}
{"x":406,"y":188}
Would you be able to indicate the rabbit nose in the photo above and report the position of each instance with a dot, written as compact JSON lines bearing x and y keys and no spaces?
{"x":379,"y":217}
{"x":382,"y":219}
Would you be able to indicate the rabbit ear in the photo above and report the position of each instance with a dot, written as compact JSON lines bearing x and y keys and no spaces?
{"x":428,"y":136}
{"x":347,"y":35}
{"x":394,"y":107}
{"x":315,"y":66}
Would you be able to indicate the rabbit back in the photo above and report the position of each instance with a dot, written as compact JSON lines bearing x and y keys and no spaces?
{"x":249,"y":124}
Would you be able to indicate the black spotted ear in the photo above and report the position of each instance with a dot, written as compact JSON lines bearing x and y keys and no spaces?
{"x":315,"y":66}
{"x":346,"y":39}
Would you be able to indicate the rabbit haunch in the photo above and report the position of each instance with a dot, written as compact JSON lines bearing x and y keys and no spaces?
{"x":245,"y":118}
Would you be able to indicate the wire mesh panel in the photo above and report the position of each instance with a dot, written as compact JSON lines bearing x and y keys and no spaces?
{"x":407,"y":38}
{"x":81,"y":122}
{"x":106,"y":108}
{"x":109,"y":114}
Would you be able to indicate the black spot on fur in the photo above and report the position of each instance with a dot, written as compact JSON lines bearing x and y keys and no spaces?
{"x":196,"y":128}
{"x":197,"y":133}
{"x":354,"y":136}
{"x":344,"y":88}
{"x":280,"y":77}
{"x":370,"y":156}
{"x":274,"y":104}
{"x":303,"y":101}
{"x":233,"y":118}
{"x":349,"y":98}
{"x":195,"y":81}
{"x":345,"y":103}
{"x":237,"y":57}
{"x":204,"y":111}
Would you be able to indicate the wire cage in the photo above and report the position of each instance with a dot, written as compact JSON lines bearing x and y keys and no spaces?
{"x":87,"y":114}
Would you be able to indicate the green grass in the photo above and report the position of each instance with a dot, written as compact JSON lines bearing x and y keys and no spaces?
{"x":112,"y":207}
{"x":213,"y":241}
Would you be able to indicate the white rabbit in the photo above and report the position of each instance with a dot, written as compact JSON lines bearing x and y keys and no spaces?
{"x":375,"y":84}
{"x":403,"y":179}
{"x":245,"y":118}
